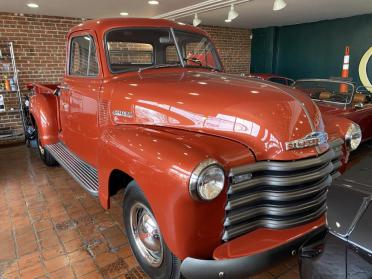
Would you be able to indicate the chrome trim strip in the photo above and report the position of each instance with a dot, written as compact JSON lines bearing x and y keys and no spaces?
{"x":284,"y":165}
{"x":235,"y":231}
{"x":290,"y":166}
{"x":273,"y":210}
{"x":275,"y":195}
{"x":282,"y":181}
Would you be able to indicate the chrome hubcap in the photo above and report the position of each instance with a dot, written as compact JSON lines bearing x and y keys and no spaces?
{"x":146,"y":234}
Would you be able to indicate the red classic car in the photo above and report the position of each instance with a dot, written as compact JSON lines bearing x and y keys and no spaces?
{"x":341,"y":98}
{"x":273,"y":78}
{"x":222,"y":175}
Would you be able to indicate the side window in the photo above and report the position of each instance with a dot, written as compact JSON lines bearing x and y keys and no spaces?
{"x":83,"y":59}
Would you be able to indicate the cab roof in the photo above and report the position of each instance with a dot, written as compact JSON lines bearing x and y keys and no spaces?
{"x":105,"y":24}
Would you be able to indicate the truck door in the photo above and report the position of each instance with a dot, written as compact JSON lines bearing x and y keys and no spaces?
{"x":80,"y":96}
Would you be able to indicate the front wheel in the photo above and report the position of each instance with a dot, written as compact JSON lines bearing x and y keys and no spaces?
{"x":145,"y":237}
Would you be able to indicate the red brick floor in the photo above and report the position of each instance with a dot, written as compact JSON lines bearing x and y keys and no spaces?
{"x":51,"y":228}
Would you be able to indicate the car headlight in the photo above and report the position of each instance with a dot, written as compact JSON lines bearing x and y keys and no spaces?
{"x":207,"y":180}
{"x":353,"y":136}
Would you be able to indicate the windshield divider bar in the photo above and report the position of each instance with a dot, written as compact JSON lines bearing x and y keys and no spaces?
{"x":178,"y":48}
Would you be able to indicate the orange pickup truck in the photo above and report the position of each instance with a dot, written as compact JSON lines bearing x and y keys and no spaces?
{"x":222,"y":174}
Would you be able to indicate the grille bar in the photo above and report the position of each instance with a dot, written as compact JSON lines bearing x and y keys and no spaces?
{"x":290,"y":180}
{"x":279,"y":194}
{"x":271,"y":223}
{"x":273,"y":195}
{"x":275,"y":210}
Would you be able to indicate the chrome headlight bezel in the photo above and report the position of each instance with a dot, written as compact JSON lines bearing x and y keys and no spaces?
{"x":196,"y":179}
{"x":353,"y":136}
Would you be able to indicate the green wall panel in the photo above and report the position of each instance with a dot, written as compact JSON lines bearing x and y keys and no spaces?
{"x":313,"y":50}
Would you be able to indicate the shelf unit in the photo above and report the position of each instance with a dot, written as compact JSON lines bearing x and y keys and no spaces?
{"x":8,"y":130}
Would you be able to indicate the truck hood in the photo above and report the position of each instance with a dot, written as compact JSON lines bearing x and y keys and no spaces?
{"x":258,"y":114}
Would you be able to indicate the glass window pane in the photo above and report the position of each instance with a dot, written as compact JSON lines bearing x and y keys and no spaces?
{"x":83,"y":56}
{"x":127,"y":53}
{"x":171,"y":55}
{"x":93,"y":62}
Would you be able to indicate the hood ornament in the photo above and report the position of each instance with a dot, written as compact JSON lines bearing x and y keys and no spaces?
{"x":312,"y":139}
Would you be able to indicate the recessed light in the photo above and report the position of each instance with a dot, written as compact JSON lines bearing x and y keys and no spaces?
{"x":33,"y":5}
{"x":123,"y":13}
{"x":153,"y":2}
{"x":227,"y":20}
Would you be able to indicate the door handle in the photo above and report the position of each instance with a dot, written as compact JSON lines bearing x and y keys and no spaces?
{"x":64,"y":87}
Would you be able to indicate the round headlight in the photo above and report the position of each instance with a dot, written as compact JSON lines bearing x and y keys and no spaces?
{"x":353,"y":136}
{"x":207,"y":180}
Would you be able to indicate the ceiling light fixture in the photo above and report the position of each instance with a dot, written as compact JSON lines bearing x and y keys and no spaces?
{"x":33,"y":5}
{"x":123,"y":13}
{"x":227,"y":20}
{"x":196,"y":20}
{"x":200,"y":8}
{"x":232,"y":13}
{"x":279,"y":4}
{"x":153,"y":2}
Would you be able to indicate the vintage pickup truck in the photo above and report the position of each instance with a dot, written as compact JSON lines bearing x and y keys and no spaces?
{"x":222,"y":175}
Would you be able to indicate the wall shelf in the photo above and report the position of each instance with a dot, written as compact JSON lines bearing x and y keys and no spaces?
{"x":9,"y":131}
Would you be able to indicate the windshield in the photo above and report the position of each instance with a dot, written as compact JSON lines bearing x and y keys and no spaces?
{"x":143,"y":48}
{"x":327,"y":90}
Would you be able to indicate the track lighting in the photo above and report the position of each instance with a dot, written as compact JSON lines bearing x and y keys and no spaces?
{"x":279,"y":4}
{"x":232,"y":13}
{"x":196,"y":20}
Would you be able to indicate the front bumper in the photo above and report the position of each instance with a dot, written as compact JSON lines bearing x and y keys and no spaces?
{"x":242,"y":267}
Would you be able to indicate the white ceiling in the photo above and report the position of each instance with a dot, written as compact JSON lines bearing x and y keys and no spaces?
{"x":257,"y":13}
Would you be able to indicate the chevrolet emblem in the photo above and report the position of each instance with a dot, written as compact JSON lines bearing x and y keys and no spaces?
{"x":312,"y":139}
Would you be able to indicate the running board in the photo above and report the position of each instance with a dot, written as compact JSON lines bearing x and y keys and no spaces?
{"x":83,"y":173}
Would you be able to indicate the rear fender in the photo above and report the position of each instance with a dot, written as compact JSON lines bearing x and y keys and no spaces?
{"x":43,"y":108}
{"x":161,"y":162}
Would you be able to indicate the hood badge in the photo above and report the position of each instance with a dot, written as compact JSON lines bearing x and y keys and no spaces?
{"x":123,"y":113}
{"x":312,"y":139}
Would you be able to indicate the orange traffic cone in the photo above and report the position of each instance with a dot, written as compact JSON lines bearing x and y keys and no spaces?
{"x":345,"y":70}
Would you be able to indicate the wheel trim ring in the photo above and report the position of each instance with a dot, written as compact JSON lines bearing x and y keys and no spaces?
{"x":154,"y":258}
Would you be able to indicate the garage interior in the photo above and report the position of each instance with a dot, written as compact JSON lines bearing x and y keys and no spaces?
{"x":50,"y":227}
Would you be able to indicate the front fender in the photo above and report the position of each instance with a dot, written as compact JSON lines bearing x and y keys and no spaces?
{"x":337,"y":127}
{"x":161,"y":161}
{"x":43,"y":108}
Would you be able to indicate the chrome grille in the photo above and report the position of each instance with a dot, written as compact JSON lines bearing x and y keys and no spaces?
{"x":279,"y":195}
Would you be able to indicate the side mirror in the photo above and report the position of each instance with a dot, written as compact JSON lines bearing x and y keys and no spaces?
{"x":359,"y":105}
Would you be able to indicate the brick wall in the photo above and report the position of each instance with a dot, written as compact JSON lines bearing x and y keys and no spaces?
{"x":39,"y":44}
{"x":234,"y":47}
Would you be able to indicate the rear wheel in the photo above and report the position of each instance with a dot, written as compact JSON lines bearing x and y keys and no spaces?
{"x":47,"y":158}
{"x":145,"y":237}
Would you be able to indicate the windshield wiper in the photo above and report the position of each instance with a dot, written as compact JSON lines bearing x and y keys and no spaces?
{"x":157,"y":66}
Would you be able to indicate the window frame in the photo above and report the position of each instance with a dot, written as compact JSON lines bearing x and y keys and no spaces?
{"x":172,"y":31}
{"x":105,"y":46}
{"x":70,"y":62}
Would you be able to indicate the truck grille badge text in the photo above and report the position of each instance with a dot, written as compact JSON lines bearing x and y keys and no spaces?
{"x":122,"y":113}
{"x":312,"y":139}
